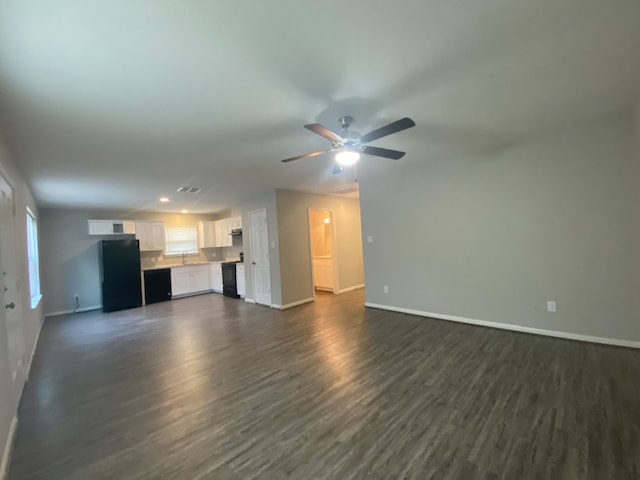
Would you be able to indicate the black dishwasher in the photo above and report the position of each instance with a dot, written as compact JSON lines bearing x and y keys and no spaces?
{"x":157,"y":285}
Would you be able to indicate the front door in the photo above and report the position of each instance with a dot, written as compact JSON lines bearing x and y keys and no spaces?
{"x":10,"y":306}
{"x":260,"y":260}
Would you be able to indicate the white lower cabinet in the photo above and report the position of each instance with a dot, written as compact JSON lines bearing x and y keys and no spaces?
{"x":216,"y":277}
{"x":189,"y":280}
{"x":240,"y":283}
{"x":323,"y":273}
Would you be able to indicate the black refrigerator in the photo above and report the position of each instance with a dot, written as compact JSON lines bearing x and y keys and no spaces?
{"x":120,"y":274}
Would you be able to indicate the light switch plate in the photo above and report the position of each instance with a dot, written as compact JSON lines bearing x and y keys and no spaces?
{"x":551,"y":306}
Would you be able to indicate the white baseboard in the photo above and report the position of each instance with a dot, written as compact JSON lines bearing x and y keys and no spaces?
{"x":350,"y":289}
{"x":8,"y":449}
{"x":507,"y":326}
{"x":77,"y":310}
{"x":293,"y":304}
{"x":250,"y":300}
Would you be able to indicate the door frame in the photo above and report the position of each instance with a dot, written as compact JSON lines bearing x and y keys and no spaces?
{"x":334,"y":247}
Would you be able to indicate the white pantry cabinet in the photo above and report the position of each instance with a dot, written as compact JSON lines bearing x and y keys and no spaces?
{"x":190,"y":280}
{"x":151,"y":236}
{"x":240,"y":283}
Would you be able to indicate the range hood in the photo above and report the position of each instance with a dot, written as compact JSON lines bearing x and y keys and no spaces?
{"x":236,"y":232}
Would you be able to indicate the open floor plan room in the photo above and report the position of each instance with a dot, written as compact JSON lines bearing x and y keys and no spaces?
{"x":211,"y":388}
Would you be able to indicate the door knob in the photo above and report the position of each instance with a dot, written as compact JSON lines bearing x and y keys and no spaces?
{"x":253,"y":263}
{"x":11,"y":306}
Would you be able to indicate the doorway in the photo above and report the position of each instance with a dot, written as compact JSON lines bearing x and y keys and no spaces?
{"x":323,"y":250}
{"x":260,"y":257}
{"x":12,"y":311}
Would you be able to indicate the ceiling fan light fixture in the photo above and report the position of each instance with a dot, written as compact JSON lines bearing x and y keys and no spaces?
{"x":347,"y":157}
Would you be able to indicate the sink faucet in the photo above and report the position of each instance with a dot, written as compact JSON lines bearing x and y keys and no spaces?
{"x":185,"y":257}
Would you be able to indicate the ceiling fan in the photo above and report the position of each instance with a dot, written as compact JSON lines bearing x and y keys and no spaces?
{"x":349,"y":145}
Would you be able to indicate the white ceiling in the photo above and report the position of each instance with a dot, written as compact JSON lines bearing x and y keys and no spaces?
{"x":111,"y":104}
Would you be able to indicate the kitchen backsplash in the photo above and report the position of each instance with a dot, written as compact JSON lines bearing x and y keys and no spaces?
{"x":155,"y":259}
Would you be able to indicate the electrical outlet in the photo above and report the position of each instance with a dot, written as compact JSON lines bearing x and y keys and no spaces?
{"x":369,"y":238}
{"x":386,"y":289}
{"x":551,"y":306}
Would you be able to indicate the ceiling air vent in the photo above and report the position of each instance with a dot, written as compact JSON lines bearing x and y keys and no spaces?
{"x":189,"y":189}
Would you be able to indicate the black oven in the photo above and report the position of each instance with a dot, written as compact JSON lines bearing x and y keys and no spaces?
{"x":229,"y":285}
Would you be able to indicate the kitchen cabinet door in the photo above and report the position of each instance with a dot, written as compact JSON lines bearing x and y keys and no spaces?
{"x":180,"y":282}
{"x":216,"y":277}
{"x":223,"y":230}
{"x":240,"y":280}
{"x":207,"y":234}
{"x":236,"y":222}
{"x":199,"y":279}
{"x":323,"y":274}
{"x":150,"y":235}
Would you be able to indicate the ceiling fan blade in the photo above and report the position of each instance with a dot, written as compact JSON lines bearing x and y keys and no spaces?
{"x":383,"y":152}
{"x":306,"y":155}
{"x":393,"y":127}
{"x":324,"y":132}
{"x":337,"y":168}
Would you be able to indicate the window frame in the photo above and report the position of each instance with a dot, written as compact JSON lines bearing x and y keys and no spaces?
{"x":33,"y":259}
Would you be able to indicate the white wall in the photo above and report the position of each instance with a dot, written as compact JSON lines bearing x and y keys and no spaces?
{"x":493,"y":237}
{"x":32,"y":318}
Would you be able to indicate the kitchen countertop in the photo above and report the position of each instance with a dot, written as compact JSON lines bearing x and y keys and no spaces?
{"x":178,"y":265}
{"x":193,"y":264}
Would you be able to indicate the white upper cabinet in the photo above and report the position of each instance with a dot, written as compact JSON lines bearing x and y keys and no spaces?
{"x":207,"y":234}
{"x":223,"y":232}
{"x":217,"y":233}
{"x":111,"y":227}
{"x":150,"y":235}
{"x":236,"y":222}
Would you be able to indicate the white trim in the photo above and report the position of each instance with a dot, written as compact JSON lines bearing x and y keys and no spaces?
{"x":33,"y":352}
{"x":78,"y":310}
{"x":350,"y":289}
{"x":275,"y":305}
{"x":507,"y":326}
{"x":293,"y":304}
{"x":35,"y":301}
{"x":8,"y":449}
{"x":250,"y":300}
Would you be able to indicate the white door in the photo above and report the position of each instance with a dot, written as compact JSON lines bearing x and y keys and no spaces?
{"x":260,"y":257}
{"x":10,"y":306}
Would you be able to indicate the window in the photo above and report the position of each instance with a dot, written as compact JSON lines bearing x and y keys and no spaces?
{"x":32,"y":256}
{"x":181,"y":240}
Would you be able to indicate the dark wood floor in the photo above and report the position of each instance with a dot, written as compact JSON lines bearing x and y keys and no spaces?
{"x":215,"y":388}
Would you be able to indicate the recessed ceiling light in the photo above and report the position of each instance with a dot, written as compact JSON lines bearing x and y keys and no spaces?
{"x":184,"y":210}
{"x":165,"y":199}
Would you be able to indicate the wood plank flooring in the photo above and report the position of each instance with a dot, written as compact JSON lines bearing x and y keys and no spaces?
{"x":215,"y":388}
